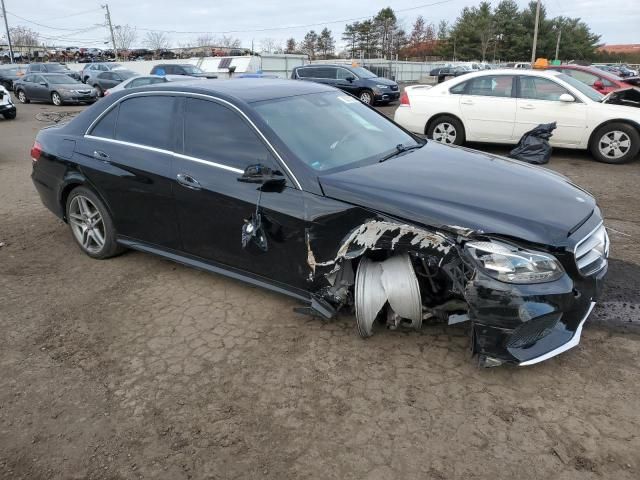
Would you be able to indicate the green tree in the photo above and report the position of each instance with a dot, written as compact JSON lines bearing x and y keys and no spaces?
{"x":326,"y":44}
{"x":350,"y":35}
{"x":290,"y":46}
{"x":310,"y":44}
{"x":386,"y":25}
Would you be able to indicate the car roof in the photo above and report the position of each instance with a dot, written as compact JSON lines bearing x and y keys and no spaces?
{"x":324,"y":65}
{"x":248,"y":90}
{"x":511,"y":71}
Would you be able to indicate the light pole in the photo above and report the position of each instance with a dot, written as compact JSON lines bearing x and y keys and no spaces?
{"x":535,"y":34}
{"x":6,"y":26}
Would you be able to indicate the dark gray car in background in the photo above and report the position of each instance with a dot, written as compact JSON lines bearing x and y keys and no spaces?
{"x":357,"y":81}
{"x":54,"y":88}
{"x":52,"y":68}
{"x":106,"y":80}
{"x":92,"y":70}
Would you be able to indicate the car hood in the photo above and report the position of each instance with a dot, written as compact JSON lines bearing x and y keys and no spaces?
{"x":458,"y":188}
{"x":382,"y":81}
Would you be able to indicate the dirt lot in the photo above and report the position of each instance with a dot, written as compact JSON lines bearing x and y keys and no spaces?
{"x":136,"y":367}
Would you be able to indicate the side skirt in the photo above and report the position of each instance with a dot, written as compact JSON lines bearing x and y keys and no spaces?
{"x":227,"y":271}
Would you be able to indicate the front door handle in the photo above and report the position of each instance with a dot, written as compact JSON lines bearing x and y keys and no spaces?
{"x":100,"y":155}
{"x":527,"y":107}
{"x":188,"y":181}
{"x":466,"y":102}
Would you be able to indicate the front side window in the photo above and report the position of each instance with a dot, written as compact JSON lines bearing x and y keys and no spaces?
{"x":216,"y":133}
{"x":458,"y":89}
{"x":146,"y":121}
{"x":538,"y":88}
{"x":491,"y":86}
{"x":345,"y":132}
{"x":343,"y":74}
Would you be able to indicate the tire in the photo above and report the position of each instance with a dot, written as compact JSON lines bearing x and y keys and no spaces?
{"x":615,"y":143}
{"x":91,"y":225}
{"x":9,"y":116}
{"x":22,"y":97}
{"x":99,"y":90}
{"x":446,"y":129}
{"x":56,"y":99}
{"x":366,"y":97}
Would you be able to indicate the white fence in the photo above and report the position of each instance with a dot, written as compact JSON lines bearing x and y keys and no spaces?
{"x":398,"y":70}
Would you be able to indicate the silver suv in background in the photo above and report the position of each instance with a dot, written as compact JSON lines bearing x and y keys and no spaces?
{"x":92,"y":70}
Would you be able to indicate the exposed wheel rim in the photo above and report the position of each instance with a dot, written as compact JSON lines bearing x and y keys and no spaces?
{"x":57,"y":101}
{"x":614,"y":144}
{"x":365,"y":97}
{"x":445,"y":133}
{"x":87,"y":224}
{"x":22,"y":97}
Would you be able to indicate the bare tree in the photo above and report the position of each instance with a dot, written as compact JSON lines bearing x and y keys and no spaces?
{"x":23,"y":37}
{"x":156,"y":40}
{"x":124,"y":35}
{"x":205,"y":40}
{"x":229,"y":42}
{"x":270,"y":45}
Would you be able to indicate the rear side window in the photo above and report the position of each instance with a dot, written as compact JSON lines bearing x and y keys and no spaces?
{"x":216,"y":133}
{"x":491,"y":86}
{"x":106,"y":127}
{"x":146,"y":121}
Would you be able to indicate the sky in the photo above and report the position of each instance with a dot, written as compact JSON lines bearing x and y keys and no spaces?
{"x":81,"y":22}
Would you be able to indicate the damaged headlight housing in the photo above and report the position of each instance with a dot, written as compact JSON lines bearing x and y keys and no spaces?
{"x":511,"y":264}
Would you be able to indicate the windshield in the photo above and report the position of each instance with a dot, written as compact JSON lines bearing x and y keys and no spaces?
{"x":582,"y":87}
{"x":60,"y":79}
{"x":55,"y":67}
{"x":191,"y":69}
{"x":362,"y":72}
{"x":332,"y":131}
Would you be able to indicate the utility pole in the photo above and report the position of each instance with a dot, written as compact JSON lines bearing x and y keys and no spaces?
{"x":558,"y":42}
{"x":535,"y":34}
{"x":113,"y":38}
{"x":6,"y":26}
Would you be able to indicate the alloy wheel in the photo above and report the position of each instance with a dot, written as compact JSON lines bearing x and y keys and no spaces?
{"x":614,"y":144}
{"x":365,"y":97}
{"x":445,"y":133}
{"x":22,"y":97}
{"x":56,"y":99}
{"x":87,"y":224}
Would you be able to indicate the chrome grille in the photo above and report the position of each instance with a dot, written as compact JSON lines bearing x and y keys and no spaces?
{"x":592,"y":251}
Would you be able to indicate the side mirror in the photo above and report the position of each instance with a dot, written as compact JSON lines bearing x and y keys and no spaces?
{"x":263,"y":175}
{"x":350,"y":79}
{"x":44,"y":84}
{"x":565,"y":97}
{"x":598,"y":85}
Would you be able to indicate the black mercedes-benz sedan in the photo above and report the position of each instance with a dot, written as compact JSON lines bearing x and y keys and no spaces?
{"x":303,"y":189}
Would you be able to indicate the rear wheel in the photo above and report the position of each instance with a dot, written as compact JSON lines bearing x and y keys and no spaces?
{"x":22,"y":97}
{"x":446,"y":129}
{"x":615,"y":143}
{"x":91,"y":224}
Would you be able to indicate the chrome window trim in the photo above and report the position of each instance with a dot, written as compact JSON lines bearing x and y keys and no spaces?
{"x":167,"y":152}
{"x":186,"y":157}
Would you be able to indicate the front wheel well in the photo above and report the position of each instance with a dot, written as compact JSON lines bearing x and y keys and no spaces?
{"x":609,"y":122}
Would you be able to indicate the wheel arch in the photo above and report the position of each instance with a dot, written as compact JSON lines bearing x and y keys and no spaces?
{"x":626,"y":121}
{"x":71,"y":181}
{"x":436,"y":116}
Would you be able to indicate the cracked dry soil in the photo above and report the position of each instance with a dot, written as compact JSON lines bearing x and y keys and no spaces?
{"x":136,"y":367}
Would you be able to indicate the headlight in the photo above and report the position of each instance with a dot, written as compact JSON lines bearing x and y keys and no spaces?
{"x":382,"y":86}
{"x":511,"y":264}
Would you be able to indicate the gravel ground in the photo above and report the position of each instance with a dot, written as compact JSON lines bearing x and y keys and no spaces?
{"x":137,"y":367}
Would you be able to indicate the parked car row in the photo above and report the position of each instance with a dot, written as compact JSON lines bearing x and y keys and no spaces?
{"x":7,"y":108}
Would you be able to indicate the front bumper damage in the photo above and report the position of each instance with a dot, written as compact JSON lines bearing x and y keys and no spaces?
{"x":519,"y":324}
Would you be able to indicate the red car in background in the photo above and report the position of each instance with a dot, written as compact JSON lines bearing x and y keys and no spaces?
{"x":603,"y":82}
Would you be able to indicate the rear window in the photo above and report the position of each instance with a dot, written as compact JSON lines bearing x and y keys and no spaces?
{"x":146,"y":121}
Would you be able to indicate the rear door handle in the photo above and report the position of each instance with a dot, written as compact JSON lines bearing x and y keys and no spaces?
{"x":527,"y":107}
{"x":188,"y":181}
{"x":100,"y":155}
{"x":466,"y":102}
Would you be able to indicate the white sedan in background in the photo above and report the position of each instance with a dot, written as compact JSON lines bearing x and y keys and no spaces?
{"x":144,"y":80}
{"x":499,"y":106}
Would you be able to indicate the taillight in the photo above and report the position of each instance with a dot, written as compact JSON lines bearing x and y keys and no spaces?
{"x":36,"y":151}
{"x":404,"y":99}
